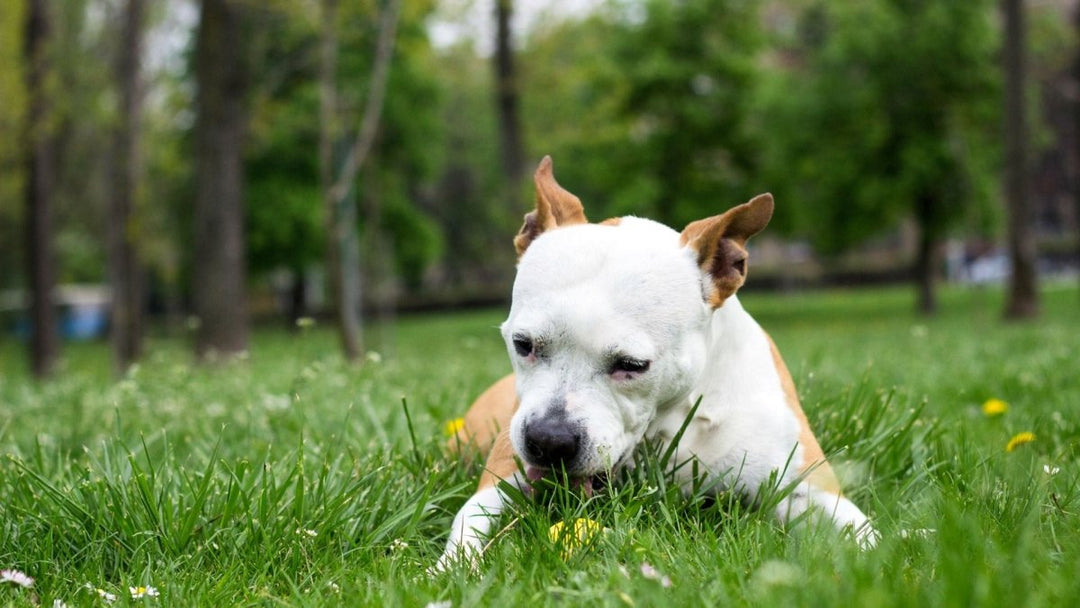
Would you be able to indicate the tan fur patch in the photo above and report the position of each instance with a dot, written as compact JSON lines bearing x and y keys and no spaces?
{"x":487,"y":417}
{"x":500,"y":462}
{"x":720,"y":244}
{"x":821,"y":475}
{"x":555,"y":208}
{"x":611,"y":221}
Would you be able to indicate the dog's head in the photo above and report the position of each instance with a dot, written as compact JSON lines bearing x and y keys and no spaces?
{"x":610,"y":323}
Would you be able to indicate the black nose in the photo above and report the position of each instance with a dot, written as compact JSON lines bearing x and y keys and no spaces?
{"x":551,"y":441}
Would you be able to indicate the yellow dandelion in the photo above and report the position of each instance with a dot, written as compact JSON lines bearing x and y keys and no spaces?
{"x":994,"y":407}
{"x":1019,"y":439}
{"x":454,"y":426}
{"x":583,"y":531}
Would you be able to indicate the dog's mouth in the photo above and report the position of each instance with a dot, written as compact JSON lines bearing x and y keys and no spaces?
{"x":587,"y":484}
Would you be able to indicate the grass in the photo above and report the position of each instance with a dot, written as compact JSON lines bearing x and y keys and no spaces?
{"x":291,"y":479}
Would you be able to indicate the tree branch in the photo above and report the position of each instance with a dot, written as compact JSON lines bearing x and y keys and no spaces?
{"x":365,"y":136}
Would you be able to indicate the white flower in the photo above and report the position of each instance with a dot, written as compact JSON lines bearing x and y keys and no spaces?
{"x":16,"y":577}
{"x":141,"y":592}
{"x":311,"y":533}
{"x":59,"y":604}
{"x":442,"y":604}
{"x":653,"y":574}
{"x":1051,"y":470}
{"x":105,"y":595}
{"x":398,"y":545}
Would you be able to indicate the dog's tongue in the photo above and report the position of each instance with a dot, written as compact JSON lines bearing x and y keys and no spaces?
{"x":534,"y":474}
{"x":585,"y":483}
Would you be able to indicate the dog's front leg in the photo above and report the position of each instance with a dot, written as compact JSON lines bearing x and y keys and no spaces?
{"x":841,"y":511}
{"x":473,"y":523}
{"x":471,"y":527}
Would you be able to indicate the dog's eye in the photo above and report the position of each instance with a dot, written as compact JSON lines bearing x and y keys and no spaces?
{"x":629,"y":365}
{"x":523,"y":346}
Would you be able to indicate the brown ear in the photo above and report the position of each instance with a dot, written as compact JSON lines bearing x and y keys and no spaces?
{"x":555,"y":207}
{"x":720,"y":244}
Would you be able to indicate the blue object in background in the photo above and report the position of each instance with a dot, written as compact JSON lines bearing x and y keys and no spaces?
{"x":84,"y":322}
{"x":84,"y":314}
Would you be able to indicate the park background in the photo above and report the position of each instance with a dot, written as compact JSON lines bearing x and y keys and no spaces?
{"x":256,"y":159}
{"x":253,"y":255}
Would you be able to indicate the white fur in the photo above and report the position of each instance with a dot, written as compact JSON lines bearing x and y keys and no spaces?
{"x":590,"y":290}
{"x":473,"y":524}
{"x":585,"y":292}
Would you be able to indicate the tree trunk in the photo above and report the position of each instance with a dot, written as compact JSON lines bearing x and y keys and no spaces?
{"x":926,"y":257}
{"x":344,"y":288}
{"x":508,"y":102}
{"x":297,"y":304}
{"x":125,"y":273}
{"x":40,"y":176}
{"x":338,"y":179}
{"x":220,"y":269}
{"x":1023,"y":294}
{"x":1076,"y":130}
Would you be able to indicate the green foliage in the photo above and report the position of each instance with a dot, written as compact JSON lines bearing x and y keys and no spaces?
{"x":477,"y":225}
{"x":886,"y":109}
{"x":283,"y":203}
{"x":78,"y":120}
{"x":574,"y":95}
{"x":85,"y":112}
{"x":690,"y":66}
{"x":187,"y":478}
{"x":415,"y":238}
{"x":652,"y":102}
{"x":12,"y":91}
{"x":285,"y":210}
{"x":408,"y":153}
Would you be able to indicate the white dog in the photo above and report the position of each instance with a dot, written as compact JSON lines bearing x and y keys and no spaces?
{"x":615,"y":332}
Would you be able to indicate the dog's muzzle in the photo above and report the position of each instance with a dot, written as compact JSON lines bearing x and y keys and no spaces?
{"x":552,"y":443}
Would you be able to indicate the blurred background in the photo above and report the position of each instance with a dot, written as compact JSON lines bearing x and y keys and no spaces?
{"x":201,"y":167}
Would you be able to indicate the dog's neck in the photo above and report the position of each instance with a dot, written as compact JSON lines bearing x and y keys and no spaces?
{"x":732,"y":331}
{"x":739,"y":362}
{"x":738,"y":378}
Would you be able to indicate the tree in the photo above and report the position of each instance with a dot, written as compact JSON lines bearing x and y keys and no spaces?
{"x":285,"y":229}
{"x":13,"y":131}
{"x":882,"y":116}
{"x":507,"y":103}
{"x":1075,"y":153}
{"x":219,"y":273}
{"x":1023,"y":296}
{"x":338,"y":176}
{"x":125,"y":272}
{"x":689,"y":70}
{"x":40,"y":176}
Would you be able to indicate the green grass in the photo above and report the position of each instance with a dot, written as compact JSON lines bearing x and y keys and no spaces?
{"x":293,"y":479}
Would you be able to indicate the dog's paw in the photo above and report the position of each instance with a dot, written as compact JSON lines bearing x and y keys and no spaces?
{"x":866,"y":536}
{"x":463,"y":557}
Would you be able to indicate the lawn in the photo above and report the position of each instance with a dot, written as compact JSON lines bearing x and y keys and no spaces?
{"x":292,"y":479}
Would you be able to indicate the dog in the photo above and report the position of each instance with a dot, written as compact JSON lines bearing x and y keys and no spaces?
{"x":623,"y":332}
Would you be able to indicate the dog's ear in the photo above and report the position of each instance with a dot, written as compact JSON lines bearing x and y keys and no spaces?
{"x":555,"y":207}
{"x":719,"y":242}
